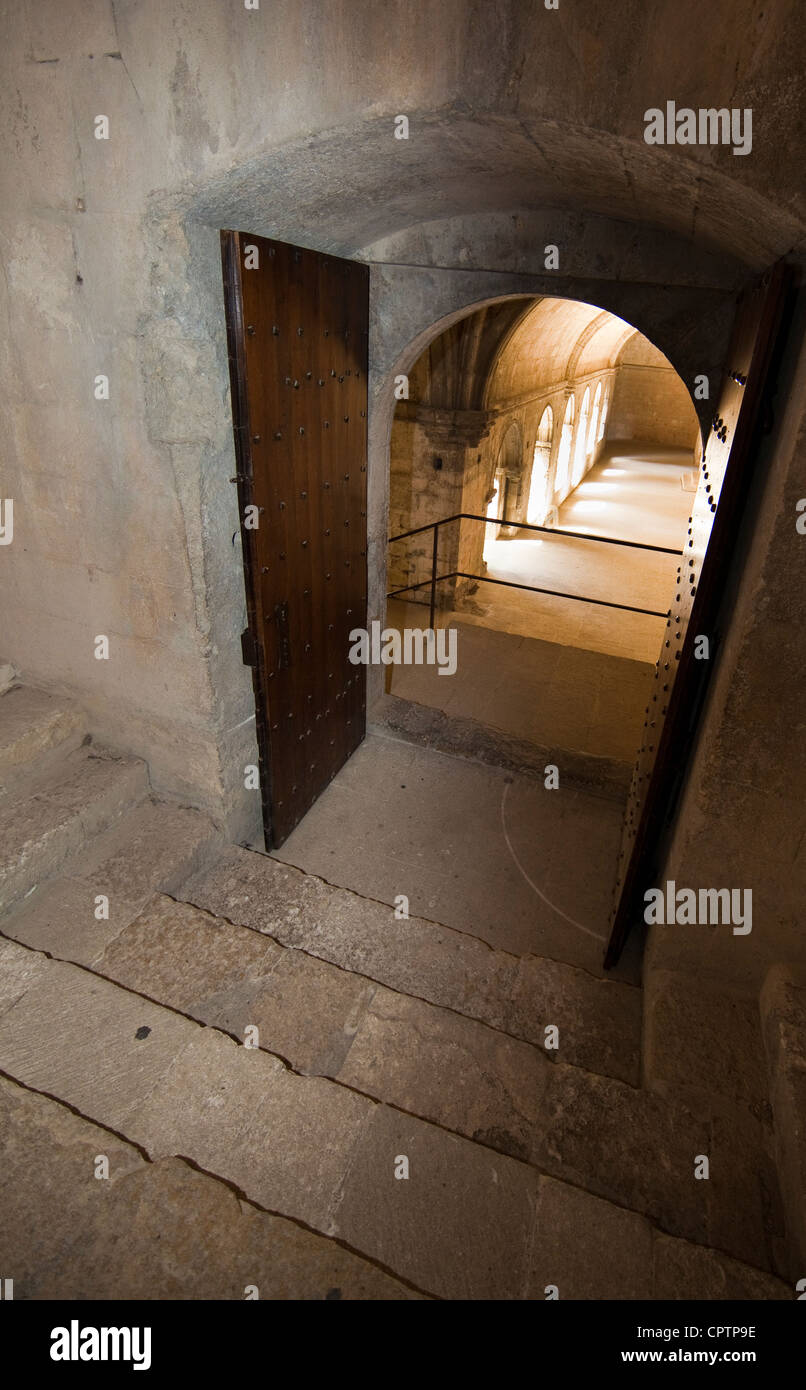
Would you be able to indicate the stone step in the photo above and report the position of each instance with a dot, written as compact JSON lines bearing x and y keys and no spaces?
{"x":153,"y":847}
{"x":41,"y":829}
{"x":634,"y":1147}
{"x":599,"y":1021}
{"x":159,"y":1230}
{"x":465,"y":1223}
{"x":35,"y":726}
{"x":326,"y":1021}
{"x":471,"y":738}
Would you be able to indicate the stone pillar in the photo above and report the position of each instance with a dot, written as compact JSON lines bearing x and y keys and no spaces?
{"x":443,"y":476}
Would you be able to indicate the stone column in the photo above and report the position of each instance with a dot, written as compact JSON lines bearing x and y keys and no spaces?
{"x":446,"y":477}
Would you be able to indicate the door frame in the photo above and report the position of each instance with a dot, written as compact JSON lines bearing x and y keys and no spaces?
{"x":710,"y":611}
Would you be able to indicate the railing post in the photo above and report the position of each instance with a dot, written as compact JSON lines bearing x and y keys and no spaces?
{"x":434,"y":576}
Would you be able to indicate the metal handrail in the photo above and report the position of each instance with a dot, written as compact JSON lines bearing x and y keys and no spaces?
{"x":508,"y":583}
{"x":529,"y":526}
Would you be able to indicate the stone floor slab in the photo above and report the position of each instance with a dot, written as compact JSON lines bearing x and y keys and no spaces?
{"x":181,"y":957}
{"x":95,"y":1046}
{"x":59,"y":917}
{"x":156,"y":846}
{"x":693,"y":1272}
{"x":459,"y":1226}
{"x":448,"y":1069}
{"x":426,"y":814}
{"x":327,"y":1021}
{"x":19,"y":970}
{"x":627,"y":1146}
{"x":587,"y":1248}
{"x":150,"y":1230}
{"x":599,"y":1021}
{"x":284,"y":1141}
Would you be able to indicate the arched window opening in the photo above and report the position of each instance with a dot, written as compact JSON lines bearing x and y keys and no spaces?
{"x":603,"y":416}
{"x":581,"y":438}
{"x":539,"y":486}
{"x":495,"y":507}
{"x":592,"y":435}
{"x":563,"y":478}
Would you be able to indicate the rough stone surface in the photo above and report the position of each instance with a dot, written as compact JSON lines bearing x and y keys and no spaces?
{"x":32,"y":723}
{"x":283,"y":1140}
{"x":154,"y":846}
{"x":459,"y":1226}
{"x":466,"y":1223}
{"x":8,"y":676}
{"x":150,"y":1230}
{"x":471,"y":738}
{"x":75,"y":1036}
{"x":19,"y":969}
{"x":626,"y":1145}
{"x":39,"y":832}
{"x":327,"y":1021}
{"x":701,"y":1040}
{"x":640,"y":1149}
{"x":599,"y":1021}
{"x":588,"y":1248}
{"x":691,"y":1272}
{"x":783,"y":1011}
{"x":184,"y":958}
{"x":745,"y":1215}
{"x":448,"y":1069}
{"x":783,"y":1008}
{"x":59,"y":917}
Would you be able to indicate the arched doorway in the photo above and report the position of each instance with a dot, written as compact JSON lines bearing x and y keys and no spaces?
{"x":592,"y":435}
{"x":563,"y":475}
{"x":505,"y":486}
{"x":495,"y":507}
{"x":603,"y":416}
{"x":580,"y":450}
{"x":538,"y":488}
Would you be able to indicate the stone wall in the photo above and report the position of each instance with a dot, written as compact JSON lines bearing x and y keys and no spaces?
{"x":650,"y":402}
{"x":281,"y":121}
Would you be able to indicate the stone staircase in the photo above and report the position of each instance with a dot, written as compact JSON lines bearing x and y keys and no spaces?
{"x":297,"y":1092}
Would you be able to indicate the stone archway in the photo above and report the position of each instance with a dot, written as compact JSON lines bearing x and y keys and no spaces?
{"x":510,"y":469}
{"x":184,"y":363}
{"x":538,"y":504}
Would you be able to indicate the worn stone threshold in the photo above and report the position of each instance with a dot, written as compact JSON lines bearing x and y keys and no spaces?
{"x":468,"y":738}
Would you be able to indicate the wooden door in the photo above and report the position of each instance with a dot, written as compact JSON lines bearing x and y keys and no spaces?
{"x":697,"y":611}
{"x":297,"y":328}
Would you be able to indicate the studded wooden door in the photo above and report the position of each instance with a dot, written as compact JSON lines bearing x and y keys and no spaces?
{"x":698,"y":611}
{"x":297,"y":324}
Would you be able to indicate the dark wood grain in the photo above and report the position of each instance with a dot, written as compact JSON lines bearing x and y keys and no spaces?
{"x":297,"y":331}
